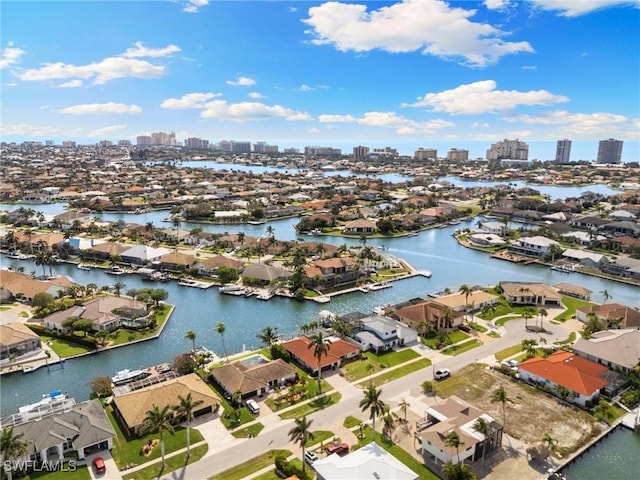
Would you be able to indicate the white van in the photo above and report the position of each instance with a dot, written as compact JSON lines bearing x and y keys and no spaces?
{"x":310,"y":457}
{"x":253,"y":406}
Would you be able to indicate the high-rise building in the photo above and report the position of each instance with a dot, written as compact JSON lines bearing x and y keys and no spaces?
{"x":563,"y":151}
{"x":144,"y":140}
{"x":196,"y":143}
{"x":264,"y":147}
{"x":68,"y":144}
{"x":455,"y":155}
{"x":361,"y":152}
{"x":425,"y":154}
{"x":322,"y":151}
{"x":508,"y":150}
{"x":124,"y":143}
{"x":241,"y":147}
{"x":610,"y":151}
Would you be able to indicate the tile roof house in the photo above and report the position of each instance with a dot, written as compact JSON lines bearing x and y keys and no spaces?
{"x":612,"y":348}
{"x":132,"y":407}
{"x":339,"y":350}
{"x":455,"y":415}
{"x":211,"y":265}
{"x":458,"y":301}
{"x":370,"y":461}
{"x":360,"y":226}
{"x":82,"y":429}
{"x":265,"y":273}
{"x":253,"y":380}
{"x":573,"y":290}
{"x":15,"y":285}
{"x":17,"y":339}
{"x":428,"y":312}
{"x":625,"y":317}
{"x":583,"y":378}
{"x":523,"y":293}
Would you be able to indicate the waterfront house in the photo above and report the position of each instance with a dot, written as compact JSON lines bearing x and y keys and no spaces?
{"x":524,"y":293}
{"x":176,"y":262}
{"x":131,"y":408}
{"x":381,"y":334}
{"x":587,"y":259}
{"x":570,"y":376}
{"x":616,"y":349}
{"x":573,"y":290}
{"x":17,"y":339}
{"x":495,"y":228}
{"x":622,"y":228}
{"x":589,"y":222}
{"x":485,"y":240}
{"x":17,"y":286}
{"x":104,"y":251}
{"x":331,"y":271}
{"x":623,"y":266}
{"x":80,"y":430}
{"x":339,"y":351}
{"x":211,"y":265}
{"x":251,"y":379}
{"x":359,"y":227}
{"x":536,"y":247}
{"x":456,"y":415}
{"x":612,"y":313}
{"x":428,"y":313}
{"x":458,"y":301}
{"x":370,"y":461}
{"x":264,"y":274}
{"x":143,"y":254}
{"x":71,"y":218}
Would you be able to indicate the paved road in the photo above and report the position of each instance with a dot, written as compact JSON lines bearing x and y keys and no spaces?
{"x":275,"y":434}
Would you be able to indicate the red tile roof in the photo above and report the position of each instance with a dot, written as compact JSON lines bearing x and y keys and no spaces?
{"x":299,"y":348}
{"x":569,"y":370}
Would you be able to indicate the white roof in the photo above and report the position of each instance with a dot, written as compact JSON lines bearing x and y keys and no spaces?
{"x":368,"y":462}
{"x":145,"y":252}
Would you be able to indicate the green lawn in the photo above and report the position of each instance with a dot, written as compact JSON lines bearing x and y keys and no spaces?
{"x":500,"y":322}
{"x":251,"y":431}
{"x":474,"y":384}
{"x":462,"y":347}
{"x":371,"y":363}
{"x":80,"y":473}
{"x":477,"y":327}
{"x":503,"y":308}
{"x":313,"y":406}
{"x":455,"y":336}
{"x":568,"y":341}
{"x":242,"y":471}
{"x":65,"y":348}
{"x":124,"y":336}
{"x":128,"y":450}
{"x":508,"y":352}
{"x":173,"y":463}
{"x":571,"y":303}
{"x":401,"y":371}
{"x":351,"y":422}
{"x":318,"y":437}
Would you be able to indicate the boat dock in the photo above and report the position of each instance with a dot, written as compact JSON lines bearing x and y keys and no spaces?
{"x":632,"y":420}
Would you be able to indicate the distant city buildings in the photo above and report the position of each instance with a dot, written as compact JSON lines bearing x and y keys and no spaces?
{"x":563,"y":151}
{"x":124,"y":143}
{"x":157,"y":138}
{"x":455,"y":155}
{"x":196,"y":143}
{"x":509,"y":150}
{"x":361,"y":152}
{"x":322,"y":152}
{"x":264,"y":147}
{"x":610,"y":151}
{"x":385,"y":152}
{"x":68,"y":144}
{"x":425,"y":154}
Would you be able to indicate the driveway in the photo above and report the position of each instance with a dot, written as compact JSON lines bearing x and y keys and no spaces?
{"x":112,"y":472}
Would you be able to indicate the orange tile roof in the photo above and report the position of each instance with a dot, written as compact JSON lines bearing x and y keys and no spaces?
{"x":569,"y":370}
{"x":299,"y":348}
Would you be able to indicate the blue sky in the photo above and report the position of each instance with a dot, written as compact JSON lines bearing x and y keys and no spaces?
{"x":417,"y":73}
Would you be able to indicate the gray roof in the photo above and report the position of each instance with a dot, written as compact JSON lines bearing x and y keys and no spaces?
{"x":85,"y":424}
{"x":265,"y":272}
{"x":621,"y":347}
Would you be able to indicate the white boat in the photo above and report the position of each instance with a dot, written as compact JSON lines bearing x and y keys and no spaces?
{"x":266,"y":296}
{"x":82,"y":266}
{"x":127,"y":376}
{"x":230,"y":288}
{"x":48,"y":399}
{"x":30,"y":368}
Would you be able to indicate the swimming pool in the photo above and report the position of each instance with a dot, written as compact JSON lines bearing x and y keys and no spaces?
{"x":254,"y":360}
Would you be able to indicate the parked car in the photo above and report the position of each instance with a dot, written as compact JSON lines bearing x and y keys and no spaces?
{"x":253,"y":406}
{"x":511,"y":364}
{"x":98,"y":465}
{"x":310,"y":457}
{"x":339,"y":448}
{"x":442,"y":373}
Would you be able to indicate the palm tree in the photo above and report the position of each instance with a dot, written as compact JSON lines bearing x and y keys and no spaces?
{"x":186,"y":406}
{"x":403,"y":406}
{"x":158,"y":420}
{"x":607,"y":296}
{"x":466,"y":291}
{"x":300,"y":434}
{"x":11,"y":446}
{"x":529,"y":346}
{"x":527,"y":316}
{"x":191,"y":335}
{"x":453,"y":440}
{"x":270,"y":231}
{"x":457,"y":471}
{"x":240,"y":237}
{"x":374,"y":404}
{"x":268,"y":336}
{"x":176,"y":223}
{"x":482,"y":426}
{"x":543,"y":313}
{"x":118,"y":287}
{"x":500,"y":395}
{"x":220,"y":328}
{"x":44,"y":258}
{"x":549,"y":440}
{"x":321,"y":348}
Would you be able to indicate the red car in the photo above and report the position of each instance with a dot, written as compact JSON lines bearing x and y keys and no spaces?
{"x":339,"y":448}
{"x":98,"y":464}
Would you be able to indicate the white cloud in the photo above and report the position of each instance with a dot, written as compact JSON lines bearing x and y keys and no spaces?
{"x":256,"y":95}
{"x":432,"y":26}
{"x":242,"y":82}
{"x":480,"y":125}
{"x":23,"y":130}
{"x":577,"y":123}
{"x":190,"y":100}
{"x":105,"y":70}
{"x":249,"y":111}
{"x":10,"y":55}
{"x":71,"y":84}
{"x":104,"y":131}
{"x":141,"y":51}
{"x":482,"y":97}
{"x":529,"y":67}
{"x":192,"y":6}
{"x":496,"y":4}
{"x":336,"y":118}
{"x":102,"y":109}
{"x":313,"y":130}
{"x":305,"y":88}
{"x":575,"y":8}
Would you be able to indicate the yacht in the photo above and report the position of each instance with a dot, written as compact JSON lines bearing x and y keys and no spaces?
{"x":127,"y":376}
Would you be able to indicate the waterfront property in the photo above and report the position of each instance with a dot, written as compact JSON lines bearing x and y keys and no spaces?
{"x":131,"y":408}
{"x":614,"y":313}
{"x":430,"y":313}
{"x":339,"y":351}
{"x":616,"y":349}
{"x":82,"y":429}
{"x":16,"y":286}
{"x":526,"y":293}
{"x":16,"y":340}
{"x":253,"y":378}
{"x":380,"y":334}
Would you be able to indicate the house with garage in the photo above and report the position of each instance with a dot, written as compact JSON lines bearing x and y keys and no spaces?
{"x":255,"y":377}
{"x":380,"y":334}
{"x":536,"y":247}
{"x":359,"y":227}
{"x":611,"y":313}
{"x":17,"y":286}
{"x":584,"y":258}
{"x":524,"y":293}
{"x":339,"y":351}
{"x":615,"y":349}
{"x":428,"y":314}
{"x":143,"y":254}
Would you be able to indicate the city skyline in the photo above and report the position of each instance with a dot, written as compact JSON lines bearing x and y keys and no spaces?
{"x":326,"y":73}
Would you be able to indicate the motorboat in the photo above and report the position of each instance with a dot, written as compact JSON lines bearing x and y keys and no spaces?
{"x":128,"y":376}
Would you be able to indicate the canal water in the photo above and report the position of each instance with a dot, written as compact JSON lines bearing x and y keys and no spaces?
{"x":616,"y":457}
